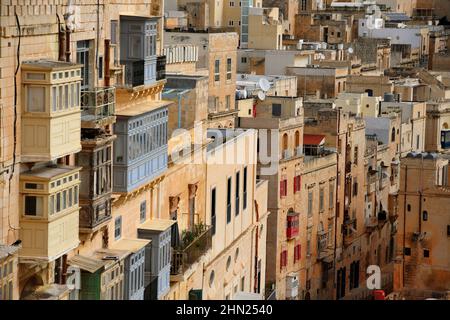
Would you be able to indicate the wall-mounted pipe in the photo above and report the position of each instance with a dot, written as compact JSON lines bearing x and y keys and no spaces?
{"x":107,"y":61}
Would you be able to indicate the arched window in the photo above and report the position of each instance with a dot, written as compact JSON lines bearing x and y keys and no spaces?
{"x":393,"y":135}
{"x":285,"y":141}
{"x":297,"y":138}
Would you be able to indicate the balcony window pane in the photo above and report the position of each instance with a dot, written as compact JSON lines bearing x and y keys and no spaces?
{"x":77,"y":100}
{"x":75,"y":200}
{"x":60,"y":106}
{"x":72,"y":95}
{"x":36,"y":99}
{"x":66,"y":96}
{"x":58,"y":202}
{"x":64,"y":199}
{"x":54,"y":98}
{"x":51,"y":205}
{"x":70,"y":198}
{"x":33,"y":206}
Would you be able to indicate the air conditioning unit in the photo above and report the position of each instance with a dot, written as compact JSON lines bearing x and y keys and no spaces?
{"x":292,"y":284}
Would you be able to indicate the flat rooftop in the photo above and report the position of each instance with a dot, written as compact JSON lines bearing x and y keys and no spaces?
{"x":49,"y":173}
{"x":49,"y":65}
{"x":142,"y":108}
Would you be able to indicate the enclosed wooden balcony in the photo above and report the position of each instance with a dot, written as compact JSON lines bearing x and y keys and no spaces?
{"x":50,"y":110}
{"x":49,"y":212}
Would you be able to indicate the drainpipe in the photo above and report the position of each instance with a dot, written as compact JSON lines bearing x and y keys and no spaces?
{"x":68,"y":44}
{"x":336,"y":196}
{"x":255,"y":285}
{"x":404,"y":225}
{"x":107,"y":61}
{"x":60,"y":40}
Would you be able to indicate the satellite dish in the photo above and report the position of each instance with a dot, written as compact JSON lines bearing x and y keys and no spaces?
{"x":350,"y":50}
{"x":261,"y":95}
{"x":264,"y":84}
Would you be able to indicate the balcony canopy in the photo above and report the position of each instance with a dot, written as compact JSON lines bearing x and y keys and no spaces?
{"x":157,"y":225}
{"x":313,"y":139}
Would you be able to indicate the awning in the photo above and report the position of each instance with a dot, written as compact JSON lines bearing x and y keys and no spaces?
{"x":133,"y":245}
{"x":313,"y":139}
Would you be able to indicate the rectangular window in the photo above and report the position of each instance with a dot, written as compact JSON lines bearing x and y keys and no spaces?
{"x":100,"y":67}
{"x":227,"y":102}
{"x":321,"y":199}
{"x":244,"y":194}
{"x":355,"y":155}
{"x":331,"y":196}
{"x":83,"y":59}
{"x":54,"y":99}
{"x":297,"y":252}
{"x":213,"y":211}
{"x":355,"y":187}
{"x":297,"y":183}
{"x":229,"y":69}
{"x":229,"y":200}
{"x":237,"y":193}
{"x":114,"y":27}
{"x":283,"y":259}
{"x":51,"y":205}
{"x":118,"y":227}
{"x":276,"y":109}
{"x":310,"y":204}
{"x":407,"y":251}
{"x":143,"y":210}
{"x":283,"y":188}
{"x":33,"y":206}
{"x":35,"y":99}
{"x":417,"y":142}
{"x":217,"y":70}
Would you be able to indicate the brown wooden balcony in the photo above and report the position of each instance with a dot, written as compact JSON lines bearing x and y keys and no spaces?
{"x":191,"y":250}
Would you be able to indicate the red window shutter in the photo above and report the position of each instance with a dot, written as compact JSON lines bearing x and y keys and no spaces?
{"x":295,"y":184}
{"x":281,"y":188}
{"x":299,"y":251}
{"x":297,"y":181}
{"x":283,"y":258}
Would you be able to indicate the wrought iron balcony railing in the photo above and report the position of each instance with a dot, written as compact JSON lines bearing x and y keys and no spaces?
{"x":183,"y":258}
{"x":97,"y":106}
